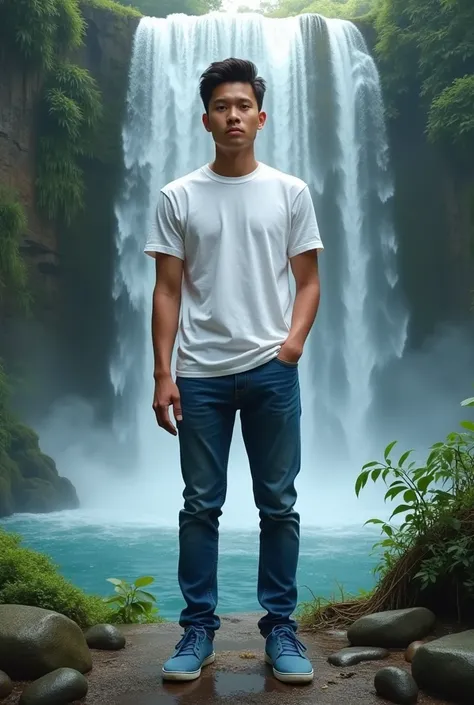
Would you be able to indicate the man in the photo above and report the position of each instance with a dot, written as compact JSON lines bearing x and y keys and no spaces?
{"x":224,"y":238}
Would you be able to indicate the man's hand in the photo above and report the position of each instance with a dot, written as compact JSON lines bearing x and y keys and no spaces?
{"x":290,"y":351}
{"x":166,"y":395}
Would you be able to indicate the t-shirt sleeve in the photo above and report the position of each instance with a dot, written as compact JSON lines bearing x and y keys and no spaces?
{"x":165,"y":235}
{"x":304,"y":233}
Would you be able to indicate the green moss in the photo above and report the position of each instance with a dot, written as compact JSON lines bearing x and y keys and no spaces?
{"x":37,"y":31}
{"x":112,"y":6}
{"x":13,"y":224}
{"x":31,"y":578}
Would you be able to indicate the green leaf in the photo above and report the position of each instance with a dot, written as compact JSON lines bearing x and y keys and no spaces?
{"x":144,"y":581}
{"x":468,"y":402}
{"x":361,"y":481}
{"x":388,"y":449}
{"x":424,"y":482}
{"x":148,"y":597}
{"x":376,"y":474}
{"x":393,"y":492}
{"x":404,"y":457}
{"x":400,"y":509}
{"x":410,"y":496}
{"x":388,"y":530}
{"x":113,"y":599}
{"x":468,"y":424}
{"x":374,"y":521}
{"x":115,"y":581}
{"x":372,"y":464}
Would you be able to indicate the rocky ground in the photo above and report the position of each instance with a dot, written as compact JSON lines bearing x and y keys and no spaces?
{"x":131,"y":676}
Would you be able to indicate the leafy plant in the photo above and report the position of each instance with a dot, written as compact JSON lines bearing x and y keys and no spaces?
{"x":70,"y":112}
{"x":134,"y":605}
{"x":451,"y":116}
{"x":38,"y":31}
{"x":433,"y":496}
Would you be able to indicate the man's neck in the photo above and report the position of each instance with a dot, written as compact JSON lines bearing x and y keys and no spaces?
{"x":234,"y":165}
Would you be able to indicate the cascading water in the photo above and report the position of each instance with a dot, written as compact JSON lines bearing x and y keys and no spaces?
{"x":326,"y":126}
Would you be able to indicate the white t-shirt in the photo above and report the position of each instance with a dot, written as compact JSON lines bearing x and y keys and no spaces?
{"x":236,"y":236}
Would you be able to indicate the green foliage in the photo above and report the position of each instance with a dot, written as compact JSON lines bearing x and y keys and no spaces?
{"x":13,"y":291}
{"x":37,"y":31}
{"x":31,"y":578}
{"x":435,"y":496}
{"x":426,"y":48}
{"x":134,"y":605}
{"x":451,"y":116}
{"x":69,"y":113}
{"x":163,"y":8}
{"x":124,"y":9}
{"x":344,"y":9}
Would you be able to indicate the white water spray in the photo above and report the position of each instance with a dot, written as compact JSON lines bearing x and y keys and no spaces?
{"x":326,"y":126}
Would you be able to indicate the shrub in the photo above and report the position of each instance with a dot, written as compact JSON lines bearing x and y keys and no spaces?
{"x":31,"y":578}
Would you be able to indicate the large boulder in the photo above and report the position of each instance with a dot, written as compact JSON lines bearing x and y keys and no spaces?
{"x":57,"y":688}
{"x":445,"y":667}
{"x":394,"y":629}
{"x":34,"y":642}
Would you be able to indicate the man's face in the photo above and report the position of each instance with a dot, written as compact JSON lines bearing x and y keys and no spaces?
{"x":234,"y":118}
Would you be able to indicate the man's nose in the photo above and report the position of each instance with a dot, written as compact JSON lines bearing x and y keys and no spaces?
{"x":233,"y":116}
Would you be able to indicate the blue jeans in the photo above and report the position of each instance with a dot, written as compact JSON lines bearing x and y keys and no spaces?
{"x":268,"y":398}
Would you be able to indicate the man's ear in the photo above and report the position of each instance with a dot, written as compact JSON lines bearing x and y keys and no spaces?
{"x":262,"y":118}
{"x":205,"y":121}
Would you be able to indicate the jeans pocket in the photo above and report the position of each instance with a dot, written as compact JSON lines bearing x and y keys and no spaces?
{"x":285,"y":363}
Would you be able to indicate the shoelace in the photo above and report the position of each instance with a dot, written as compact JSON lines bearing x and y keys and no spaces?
{"x":188,"y":646}
{"x":289,"y":643}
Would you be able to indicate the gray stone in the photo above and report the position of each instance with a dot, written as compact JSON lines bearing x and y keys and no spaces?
{"x":105,"y":636}
{"x":392,"y":629}
{"x":65,"y":685}
{"x":6,"y":686}
{"x":396,"y":685}
{"x":356,"y":654}
{"x":34,"y":641}
{"x":445,"y":667}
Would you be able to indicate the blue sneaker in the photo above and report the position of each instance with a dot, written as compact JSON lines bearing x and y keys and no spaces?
{"x":194,"y":651}
{"x":285,"y":652}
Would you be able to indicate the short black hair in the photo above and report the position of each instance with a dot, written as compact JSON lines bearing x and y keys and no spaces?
{"x":231,"y":71}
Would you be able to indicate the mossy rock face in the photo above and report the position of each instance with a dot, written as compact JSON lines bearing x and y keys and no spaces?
{"x":29,"y":479}
{"x":23,"y":438}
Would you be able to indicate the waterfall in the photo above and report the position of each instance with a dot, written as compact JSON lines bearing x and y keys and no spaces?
{"x":325,"y":125}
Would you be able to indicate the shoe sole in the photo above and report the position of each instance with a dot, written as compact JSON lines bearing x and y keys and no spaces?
{"x":188,"y":675}
{"x":290,"y":677}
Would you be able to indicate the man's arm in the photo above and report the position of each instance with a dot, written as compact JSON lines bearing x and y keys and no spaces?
{"x":308,"y":293}
{"x":165,"y":321}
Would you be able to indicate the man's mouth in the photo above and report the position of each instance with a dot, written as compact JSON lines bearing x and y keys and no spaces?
{"x":235,"y":131}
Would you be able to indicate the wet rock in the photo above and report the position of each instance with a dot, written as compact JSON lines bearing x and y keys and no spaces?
{"x":392,"y":629}
{"x":34,"y":641}
{"x":6,"y":686}
{"x":412,"y":649}
{"x":352,"y":655}
{"x":65,"y":685}
{"x":396,"y":685}
{"x":106,"y":637}
{"x":445,"y":667}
